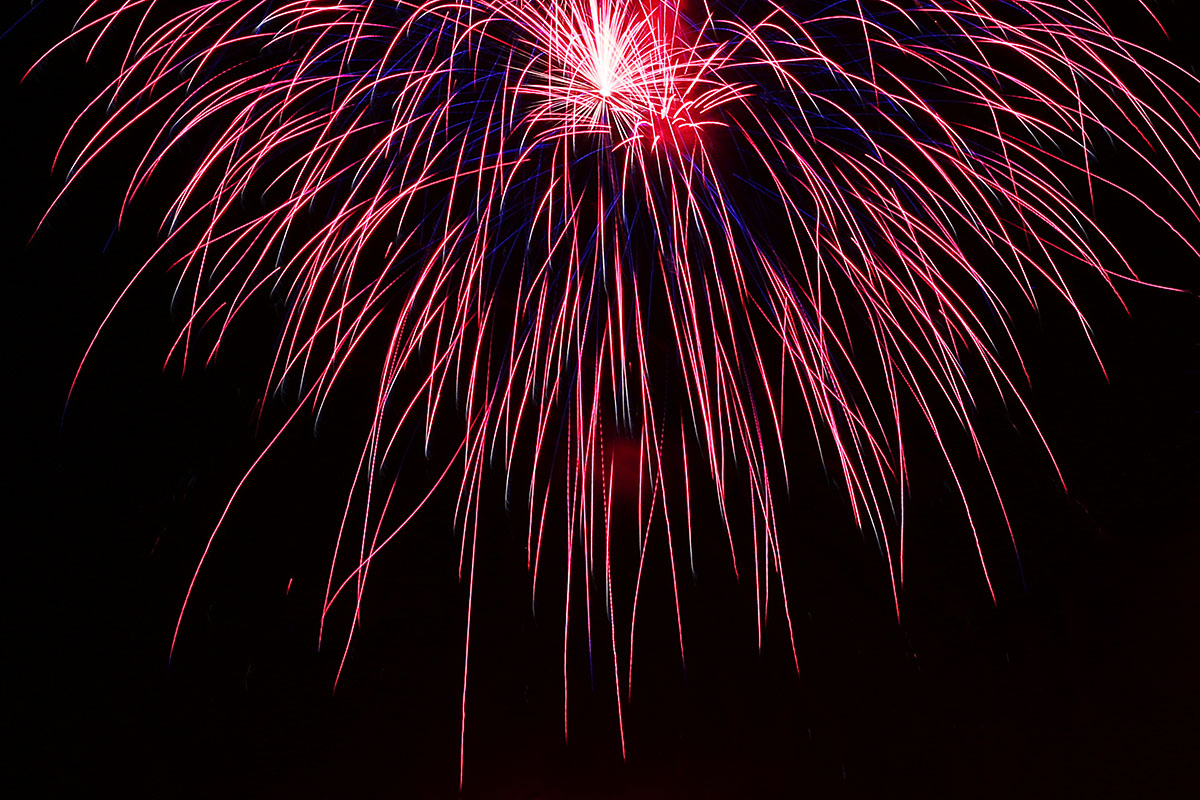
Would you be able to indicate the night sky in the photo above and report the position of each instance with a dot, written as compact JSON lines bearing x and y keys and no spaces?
{"x":1080,"y":681}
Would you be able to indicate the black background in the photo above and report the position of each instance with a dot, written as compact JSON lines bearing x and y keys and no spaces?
{"x":1081,"y":679}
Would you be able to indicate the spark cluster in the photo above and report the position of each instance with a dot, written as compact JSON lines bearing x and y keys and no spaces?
{"x":687,"y":225}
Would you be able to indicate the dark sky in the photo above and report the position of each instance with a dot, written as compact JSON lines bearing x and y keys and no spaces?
{"x":1081,"y":680}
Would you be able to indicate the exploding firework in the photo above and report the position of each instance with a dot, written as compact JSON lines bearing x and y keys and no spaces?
{"x":618,"y":247}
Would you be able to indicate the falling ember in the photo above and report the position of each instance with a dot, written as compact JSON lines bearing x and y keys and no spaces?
{"x":524,"y":198}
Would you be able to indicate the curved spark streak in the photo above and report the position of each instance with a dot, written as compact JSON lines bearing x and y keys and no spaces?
{"x":541,"y":197}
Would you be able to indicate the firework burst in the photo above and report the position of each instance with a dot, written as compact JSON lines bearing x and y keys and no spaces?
{"x":630,"y":240}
